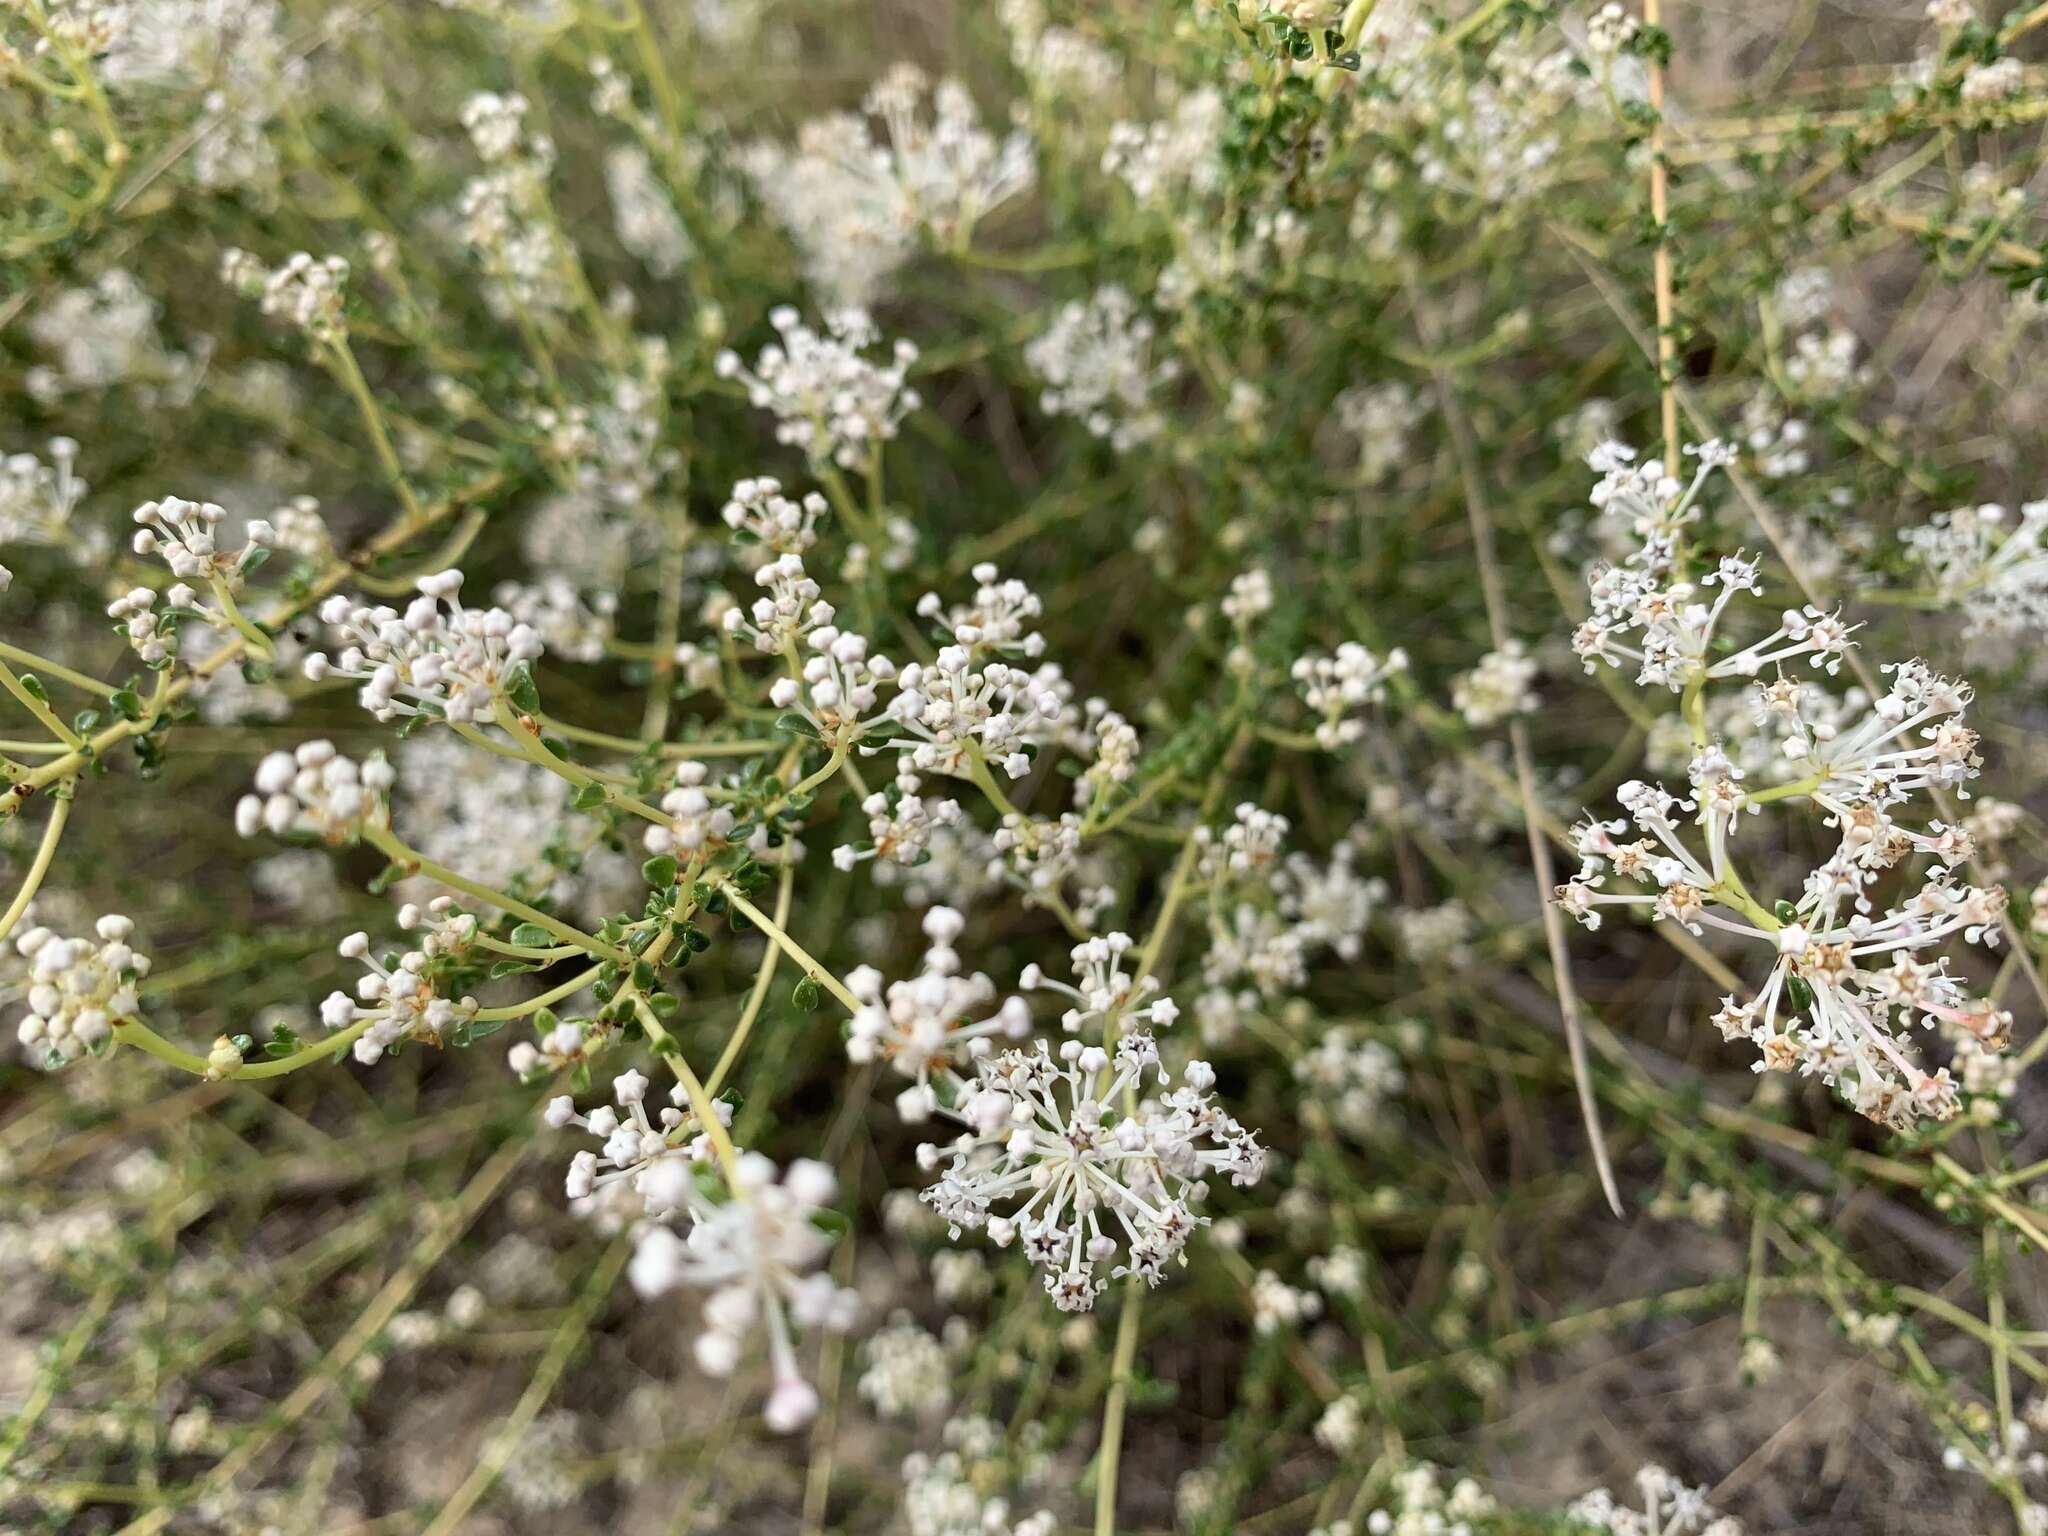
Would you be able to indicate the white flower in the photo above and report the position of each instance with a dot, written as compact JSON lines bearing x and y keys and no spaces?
{"x":314,"y":789}
{"x":695,"y":822}
{"x":1500,"y":686}
{"x":1333,"y":686}
{"x":78,"y":989}
{"x":828,"y":398}
{"x":403,"y":1001}
{"x":437,"y":657}
{"x":1096,"y":360}
{"x":183,"y":533}
{"x":637,"y":1154}
{"x":924,"y":1022}
{"x":307,"y":291}
{"x":1053,"y":1158}
{"x":754,"y":1252}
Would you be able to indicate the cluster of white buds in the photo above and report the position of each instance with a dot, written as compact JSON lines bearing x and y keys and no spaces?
{"x":496,"y":124}
{"x":400,"y":1001}
{"x":1247,"y":849}
{"x":639,"y":1157}
{"x":1986,"y":566}
{"x":437,"y":657}
{"x":948,"y":1494}
{"x":951,"y":170}
{"x":758,"y":510}
{"x":1500,"y":686}
{"x":695,"y":821}
{"x":307,"y":291}
{"x":933,"y":1020}
{"x":315,"y":789}
{"x":562,"y":1045}
{"x":829,"y":399}
{"x":1334,"y":686}
{"x":1419,"y":1504}
{"x":1084,"y":1176}
{"x":1250,"y":597}
{"x":996,"y":622}
{"x":78,"y":989}
{"x":755,"y":1252}
{"x":1097,"y":362}
{"x":1115,"y":754}
{"x":37,"y":499}
{"x":789,"y":607}
{"x":568,"y":625}
{"x":150,"y":633}
{"x":1107,"y":991}
{"x":1352,"y":1077}
{"x":1669,"y":1508}
{"x":1609,"y":30}
{"x":900,"y":825}
{"x":1175,"y":158}
{"x":1378,"y":418}
{"x":955,"y":712}
{"x":840,"y":686}
{"x":1037,"y":855}
{"x":298,"y":529}
{"x":183,"y":533}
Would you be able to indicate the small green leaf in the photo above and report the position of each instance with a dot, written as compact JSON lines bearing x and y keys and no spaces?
{"x":660,"y":870}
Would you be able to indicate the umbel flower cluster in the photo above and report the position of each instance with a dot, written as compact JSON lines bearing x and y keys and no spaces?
{"x":1850,"y":981}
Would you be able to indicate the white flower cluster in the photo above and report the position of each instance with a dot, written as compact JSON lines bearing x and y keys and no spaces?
{"x":639,"y":1157}
{"x":1098,"y":365}
{"x":958,"y":714}
{"x":437,"y":657}
{"x":1378,"y":419}
{"x":828,"y":398}
{"x":937,"y":1019}
{"x":153,"y":633}
{"x":400,"y":1001}
{"x":758,"y":511}
{"x":314,"y":789}
{"x":998,"y":620}
{"x":1847,"y":982}
{"x":951,"y":170}
{"x":1063,"y":1158}
{"x":901,"y":824}
{"x":503,"y":214}
{"x":78,"y":989}
{"x":839,"y":686}
{"x":307,"y":291}
{"x":1175,"y":158}
{"x":756,"y":1252}
{"x":1352,"y":1076}
{"x":855,"y":204}
{"x":37,"y":500}
{"x":1334,"y":686}
{"x":695,"y":821}
{"x":1985,"y":565}
{"x":1502,"y":685}
{"x":568,"y":624}
{"x":1106,"y":991}
{"x":948,"y":1494}
{"x":182,"y":532}
{"x":1641,"y":613}
{"x":1669,"y":1508}
{"x":1269,"y":913}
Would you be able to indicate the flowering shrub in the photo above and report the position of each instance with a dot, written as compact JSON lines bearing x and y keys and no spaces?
{"x":1147,"y":729}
